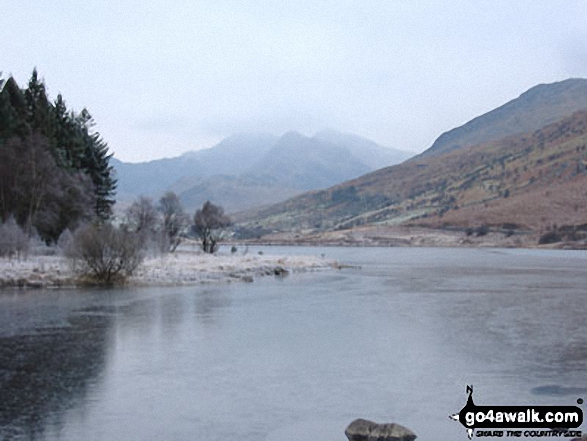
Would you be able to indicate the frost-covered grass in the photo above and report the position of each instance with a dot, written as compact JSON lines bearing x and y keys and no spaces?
{"x":179,"y":268}
{"x":36,"y":271}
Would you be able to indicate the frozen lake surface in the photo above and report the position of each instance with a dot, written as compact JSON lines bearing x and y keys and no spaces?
{"x":298,"y":358}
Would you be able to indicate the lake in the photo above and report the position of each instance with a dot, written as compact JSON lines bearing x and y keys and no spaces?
{"x":298,"y":358}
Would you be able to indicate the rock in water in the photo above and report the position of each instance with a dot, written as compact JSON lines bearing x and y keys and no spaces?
{"x":365,"y":430}
{"x":391,"y":432}
{"x":359,"y":430}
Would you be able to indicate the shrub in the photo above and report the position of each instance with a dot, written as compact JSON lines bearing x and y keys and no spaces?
{"x":13,"y":241}
{"x":481,"y":230}
{"x":550,"y":237}
{"x":105,"y":253}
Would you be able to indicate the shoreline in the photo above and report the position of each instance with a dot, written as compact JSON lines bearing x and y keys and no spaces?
{"x":409,"y":236}
{"x":175,"y":269}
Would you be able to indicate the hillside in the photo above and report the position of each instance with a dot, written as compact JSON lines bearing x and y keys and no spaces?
{"x":523,"y":182}
{"x":534,"y":109}
{"x":251,"y":170}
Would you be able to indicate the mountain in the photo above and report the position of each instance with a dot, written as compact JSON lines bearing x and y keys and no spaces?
{"x":250,"y":170}
{"x":232,"y":155}
{"x":306,"y":163}
{"x":368,"y":152}
{"x":531,"y":182}
{"x":535,"y":108}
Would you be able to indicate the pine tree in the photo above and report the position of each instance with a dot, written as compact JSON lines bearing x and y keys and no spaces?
{"x":38,"y":107}
{"x":95,"y":163}
{"x":12,"y":111}
{"x":54,"y":168}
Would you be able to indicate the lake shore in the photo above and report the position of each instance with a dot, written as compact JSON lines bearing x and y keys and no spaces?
{"x":412,"y":236}
{"x":173,"y":269}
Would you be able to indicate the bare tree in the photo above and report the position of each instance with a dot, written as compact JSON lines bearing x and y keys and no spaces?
{"x":175,"y":219}
{"x":208,"y":223}
{"x":142,"y":218}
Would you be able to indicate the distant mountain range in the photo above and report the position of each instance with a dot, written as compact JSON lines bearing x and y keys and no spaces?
{"x":522,"y":166}
{"x":251,"y":170}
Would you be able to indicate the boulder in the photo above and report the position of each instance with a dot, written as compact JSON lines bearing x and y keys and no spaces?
{"x":365,"y":430}
{"x":359,"y":430}
{"x":280,"y":271}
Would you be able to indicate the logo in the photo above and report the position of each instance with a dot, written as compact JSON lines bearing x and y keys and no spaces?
{"x":551,"y":421}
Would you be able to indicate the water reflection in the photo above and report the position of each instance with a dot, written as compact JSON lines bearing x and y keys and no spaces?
{"x":47,"y":371}
{"x":209,"y":302}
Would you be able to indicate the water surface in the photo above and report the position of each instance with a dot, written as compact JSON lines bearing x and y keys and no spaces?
{"x":298,"y":358}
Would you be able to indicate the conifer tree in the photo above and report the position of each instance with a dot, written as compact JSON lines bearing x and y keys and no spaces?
{"x":54,"y":168}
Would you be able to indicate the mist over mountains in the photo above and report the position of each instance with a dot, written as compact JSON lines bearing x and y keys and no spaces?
{"x":250,"y":170}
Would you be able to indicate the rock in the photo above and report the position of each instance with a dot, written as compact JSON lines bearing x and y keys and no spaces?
{"x":280,"y":271}
{"x":365,"y":430}
{"x":248,"y":279}
{"x":391,"y":432}
{"x":359,"y":430}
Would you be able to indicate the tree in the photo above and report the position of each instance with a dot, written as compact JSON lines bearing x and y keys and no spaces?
{"x":142,"y":219}
{"x":95,"y":162}
{"x":54,"y":168}
{"x":37,"y":192}
{"x":175,"y":220}
{"x":37,"y":106}
{"x":208,"y":223}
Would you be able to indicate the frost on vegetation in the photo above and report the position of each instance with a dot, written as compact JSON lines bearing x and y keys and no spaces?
{"x":104,"y":253}
{"x":14,"y":242}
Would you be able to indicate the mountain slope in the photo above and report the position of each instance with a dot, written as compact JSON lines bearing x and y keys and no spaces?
{"x":368,"y":152}
{"x":535,"y":108}
{"x":532,"y":180}
{"x":306,"y":163}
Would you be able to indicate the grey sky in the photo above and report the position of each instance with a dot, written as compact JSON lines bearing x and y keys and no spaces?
{"x":162,"y":77}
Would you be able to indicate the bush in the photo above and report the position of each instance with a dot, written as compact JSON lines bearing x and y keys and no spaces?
{"x":550,"y":237}
{"x":13,"y":241}
{"x":481,"y":231}
{"x":105,"y":253}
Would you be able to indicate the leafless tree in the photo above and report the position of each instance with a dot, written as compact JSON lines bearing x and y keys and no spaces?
{"x":142,"y":218}
{"x":208,"y":224}
{"x":175,"y":219}
{"x":37,"y":192}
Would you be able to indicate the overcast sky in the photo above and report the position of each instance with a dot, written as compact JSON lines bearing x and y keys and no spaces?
{"x":162,"y":77}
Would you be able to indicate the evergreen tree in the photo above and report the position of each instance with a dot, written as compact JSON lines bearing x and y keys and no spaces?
{"x":54,"y":168}
{"x":95,"y":162}
{"x":12,"y":111}
{"x":37,"y":106}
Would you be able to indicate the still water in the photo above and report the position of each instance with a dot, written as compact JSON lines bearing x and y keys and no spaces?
{"x":298,"y":358}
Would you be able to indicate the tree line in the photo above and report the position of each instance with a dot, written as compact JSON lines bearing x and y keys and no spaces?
{"x":161,"y":227}
{"x":54,"y":167}
{"x":56,"y":184}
